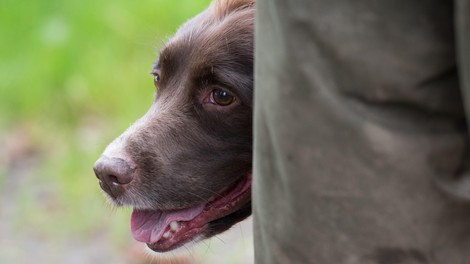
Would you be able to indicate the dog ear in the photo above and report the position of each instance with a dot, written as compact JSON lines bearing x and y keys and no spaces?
{"x":223,"y":8}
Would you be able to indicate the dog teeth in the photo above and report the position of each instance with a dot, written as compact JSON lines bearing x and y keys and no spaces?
{"x":174,"y":225}
{"x":166,"y":234}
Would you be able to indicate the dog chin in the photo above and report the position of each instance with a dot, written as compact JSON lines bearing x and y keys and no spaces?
{"x":182,"y":254}
{"x":164,"y":230}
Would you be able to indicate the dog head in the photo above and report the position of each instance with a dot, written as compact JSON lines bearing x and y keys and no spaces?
{"x":185,"y":166}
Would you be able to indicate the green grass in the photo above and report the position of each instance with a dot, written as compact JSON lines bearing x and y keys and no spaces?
{"x":74,"y":75}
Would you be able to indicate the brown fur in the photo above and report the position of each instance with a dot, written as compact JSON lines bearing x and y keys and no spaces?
{"x":184,"y":150}
{"x":222,"y":8}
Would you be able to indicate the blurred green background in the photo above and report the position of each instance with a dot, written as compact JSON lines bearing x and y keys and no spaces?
{"x":73,"y":76}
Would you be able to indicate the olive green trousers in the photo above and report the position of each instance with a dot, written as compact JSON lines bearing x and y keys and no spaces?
{"x":361,"y":147}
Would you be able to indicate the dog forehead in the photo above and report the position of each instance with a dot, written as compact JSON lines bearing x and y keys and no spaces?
{"x":207,"y":41}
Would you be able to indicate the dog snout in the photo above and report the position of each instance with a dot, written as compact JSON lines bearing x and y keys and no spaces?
{"x":114,"y":174}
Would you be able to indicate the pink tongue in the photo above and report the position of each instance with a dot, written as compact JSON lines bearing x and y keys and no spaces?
{"x":148,"y":226}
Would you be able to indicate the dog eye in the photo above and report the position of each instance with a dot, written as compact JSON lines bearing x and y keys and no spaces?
{"x":156,"y":77}
{"x":221,"y":97}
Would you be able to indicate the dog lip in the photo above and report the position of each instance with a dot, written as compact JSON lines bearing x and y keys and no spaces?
{"x":230,"y":202}
{"x":150,"y":225}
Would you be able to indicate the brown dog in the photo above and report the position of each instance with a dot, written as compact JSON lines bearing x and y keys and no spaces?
{"x":185,"y":166}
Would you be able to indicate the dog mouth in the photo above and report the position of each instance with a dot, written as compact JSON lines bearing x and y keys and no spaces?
{"x":166,"y":230}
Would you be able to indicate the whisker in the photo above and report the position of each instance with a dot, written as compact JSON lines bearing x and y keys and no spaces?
{"x":208,"y":246}
{"x":198,"y":196}
{"x":243,"y":235}
{"x":220,"y":239}
{"x":189,"y":251}
{"x":213,"y":192}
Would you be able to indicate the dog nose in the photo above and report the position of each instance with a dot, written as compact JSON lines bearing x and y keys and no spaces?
{"x":113,"y":174}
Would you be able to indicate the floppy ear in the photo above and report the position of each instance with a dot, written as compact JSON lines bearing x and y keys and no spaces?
{"x":223,"y":8}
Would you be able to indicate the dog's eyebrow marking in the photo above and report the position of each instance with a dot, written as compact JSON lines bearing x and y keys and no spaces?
{"x":170,"y":58}
{"x":157,"y":64}
{"x":155,"y":68}
{"x":235,"y":80}
{"x":165,"y":64}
